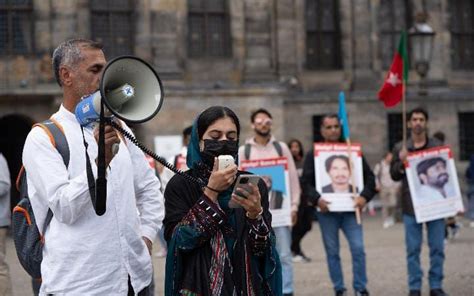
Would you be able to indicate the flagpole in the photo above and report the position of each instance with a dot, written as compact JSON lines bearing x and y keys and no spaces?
{"x":353,"y":180}
{"x":404,"y":114}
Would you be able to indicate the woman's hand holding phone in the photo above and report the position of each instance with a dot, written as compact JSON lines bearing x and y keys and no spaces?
{"x":249,"y":198}
{"x":220,"y":180}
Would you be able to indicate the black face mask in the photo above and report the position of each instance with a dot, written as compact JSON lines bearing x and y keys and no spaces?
{"x":214,"y":148}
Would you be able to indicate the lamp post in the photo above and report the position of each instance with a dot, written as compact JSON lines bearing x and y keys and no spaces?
{"x":421,"y":39}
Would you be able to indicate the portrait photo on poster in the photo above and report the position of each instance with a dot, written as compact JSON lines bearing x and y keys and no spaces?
{"x":433,"y":179}
{"x":337,"y":180}
{"x":433,"y":184}
{"x":334,"y":175}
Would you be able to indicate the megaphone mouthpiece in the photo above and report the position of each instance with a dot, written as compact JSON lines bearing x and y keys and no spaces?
{"x":120,"y":95}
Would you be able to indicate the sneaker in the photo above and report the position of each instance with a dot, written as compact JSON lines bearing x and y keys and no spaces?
{"x":388,"y":223}
{"x":297,"y":259}
{"x":438,"y":292}
{"x":471,"y":224}
{"x":414,"y":293}
{"x":362,"y":293}
{"x":341,"y":293}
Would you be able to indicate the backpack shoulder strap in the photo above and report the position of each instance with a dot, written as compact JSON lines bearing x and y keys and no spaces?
{"x":247,"y":148}
{"x":58,"y":139}
{"x":278,"y":148}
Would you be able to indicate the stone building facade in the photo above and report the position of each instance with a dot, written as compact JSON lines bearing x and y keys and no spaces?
{"x":289,"y":56}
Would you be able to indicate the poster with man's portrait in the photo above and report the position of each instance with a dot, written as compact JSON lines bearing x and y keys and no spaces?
{"x":274,"y":172}
{"x":338,"y":174}
{"x":433,"y":184}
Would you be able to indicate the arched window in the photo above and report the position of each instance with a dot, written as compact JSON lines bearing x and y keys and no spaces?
{"x":323,"y":38}
{"x":111,"y":24}
{"x":208,"y":28}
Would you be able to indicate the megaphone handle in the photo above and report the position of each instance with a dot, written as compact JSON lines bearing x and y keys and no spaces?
{"x":101,"y":182}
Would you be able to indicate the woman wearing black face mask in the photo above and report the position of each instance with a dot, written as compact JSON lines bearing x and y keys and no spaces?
{"x":213,"y":249}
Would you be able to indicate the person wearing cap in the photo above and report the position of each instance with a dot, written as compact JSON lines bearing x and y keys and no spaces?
{"x":419,"y":140}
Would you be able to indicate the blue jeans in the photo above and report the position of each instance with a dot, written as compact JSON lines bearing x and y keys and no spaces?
{"x":413,"y":241}
{"x":330,"y":223}
{"x":283,"y":246}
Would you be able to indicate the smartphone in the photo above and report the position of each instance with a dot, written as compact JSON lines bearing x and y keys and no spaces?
{"x":244,"y":181}
{"x":224,"y":161}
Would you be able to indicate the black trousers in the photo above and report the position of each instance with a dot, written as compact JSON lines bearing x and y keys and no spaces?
{"x":303,"y":225}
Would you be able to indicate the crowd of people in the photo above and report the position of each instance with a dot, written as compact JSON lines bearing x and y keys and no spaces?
{"x":211,"y":248}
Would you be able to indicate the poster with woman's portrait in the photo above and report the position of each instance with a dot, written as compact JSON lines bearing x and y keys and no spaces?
{"x":274,"y":172}
{"x":433,"y":184}
{"x":338,"y":174}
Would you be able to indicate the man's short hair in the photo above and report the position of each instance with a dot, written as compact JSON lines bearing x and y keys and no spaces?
{"x":424,"y":165}
{"x":330,"y":160}
{"x":326,"y":116}
{"x":69,"y":53}
{"x":258,"y":111}
{"x":418,"y":110}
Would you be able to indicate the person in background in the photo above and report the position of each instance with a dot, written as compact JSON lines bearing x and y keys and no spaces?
{"x":305,"y":209}
{"x":179,"y":160}
{"x":263,"y":145}
{"x":5,"y":282}
{"x":452,"y":227}
{"x":331,"y":223}
{"x":418,"y":140}
{"x":297,"y":151}
{"x":470,"y":191}
{"x":388,"y":189}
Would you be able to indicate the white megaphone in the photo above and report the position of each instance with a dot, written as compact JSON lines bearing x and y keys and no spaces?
{"x":129,"y":88}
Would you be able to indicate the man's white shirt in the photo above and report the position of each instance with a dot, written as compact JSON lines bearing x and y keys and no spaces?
{"x":87,"y":254}
{"x":427,"y":194}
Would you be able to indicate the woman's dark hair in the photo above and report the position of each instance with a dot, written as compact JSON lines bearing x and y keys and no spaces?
{"x":301,"y":153}
{"x":211,"y":114}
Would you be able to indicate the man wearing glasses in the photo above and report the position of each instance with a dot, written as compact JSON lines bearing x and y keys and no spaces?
{"x":263,"y":146}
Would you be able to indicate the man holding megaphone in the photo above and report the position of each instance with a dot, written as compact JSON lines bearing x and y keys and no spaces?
{"x":86,"y":252}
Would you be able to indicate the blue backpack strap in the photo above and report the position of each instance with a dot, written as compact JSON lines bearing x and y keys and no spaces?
{"x":59,"y":141}
{"x":278,"y":149}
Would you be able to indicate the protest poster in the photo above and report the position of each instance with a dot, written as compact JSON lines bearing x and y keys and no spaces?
{"x":274,"y":172}
{"x":333,"y":175}
{"x":433,"y":183}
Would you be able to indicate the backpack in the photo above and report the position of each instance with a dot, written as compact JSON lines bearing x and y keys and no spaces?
{"x":26,"y":235}
{"x":276,"y":144}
